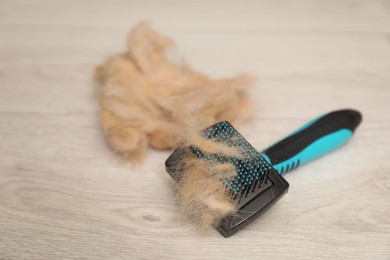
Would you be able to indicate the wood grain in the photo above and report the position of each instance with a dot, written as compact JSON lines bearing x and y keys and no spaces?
{"x":65,"y":195}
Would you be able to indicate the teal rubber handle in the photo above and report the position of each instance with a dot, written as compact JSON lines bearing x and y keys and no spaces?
{"x":316,"y":138}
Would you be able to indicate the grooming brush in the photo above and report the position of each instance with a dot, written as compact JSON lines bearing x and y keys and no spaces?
{"x":258,"y":184}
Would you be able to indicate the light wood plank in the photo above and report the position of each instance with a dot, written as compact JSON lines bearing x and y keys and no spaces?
{"x":228,"y":15}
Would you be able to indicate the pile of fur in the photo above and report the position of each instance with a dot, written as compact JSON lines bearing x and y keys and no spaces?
{"x":147,"y":99}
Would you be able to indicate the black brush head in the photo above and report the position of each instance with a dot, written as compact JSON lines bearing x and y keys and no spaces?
{"x":255,"y":187}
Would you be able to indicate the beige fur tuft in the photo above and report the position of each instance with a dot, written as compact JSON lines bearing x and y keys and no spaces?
{"x":202,"y":194}
{"x":146,"y":99}
{"x":201,"y":189}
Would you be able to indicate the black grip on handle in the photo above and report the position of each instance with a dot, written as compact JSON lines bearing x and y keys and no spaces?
{"x":322,"y":126}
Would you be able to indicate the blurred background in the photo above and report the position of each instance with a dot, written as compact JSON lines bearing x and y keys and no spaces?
{"x":64,"y":194}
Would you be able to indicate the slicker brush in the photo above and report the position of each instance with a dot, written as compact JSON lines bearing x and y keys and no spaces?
{"x":225,"y":182}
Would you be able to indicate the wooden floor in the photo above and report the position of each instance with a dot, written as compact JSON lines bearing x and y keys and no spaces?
{"x":64,"y":194}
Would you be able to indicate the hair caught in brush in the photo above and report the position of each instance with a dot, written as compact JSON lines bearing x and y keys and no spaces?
{"x":201,"y":190}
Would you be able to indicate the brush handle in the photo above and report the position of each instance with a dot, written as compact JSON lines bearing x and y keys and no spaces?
{"x":318,"y":137}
